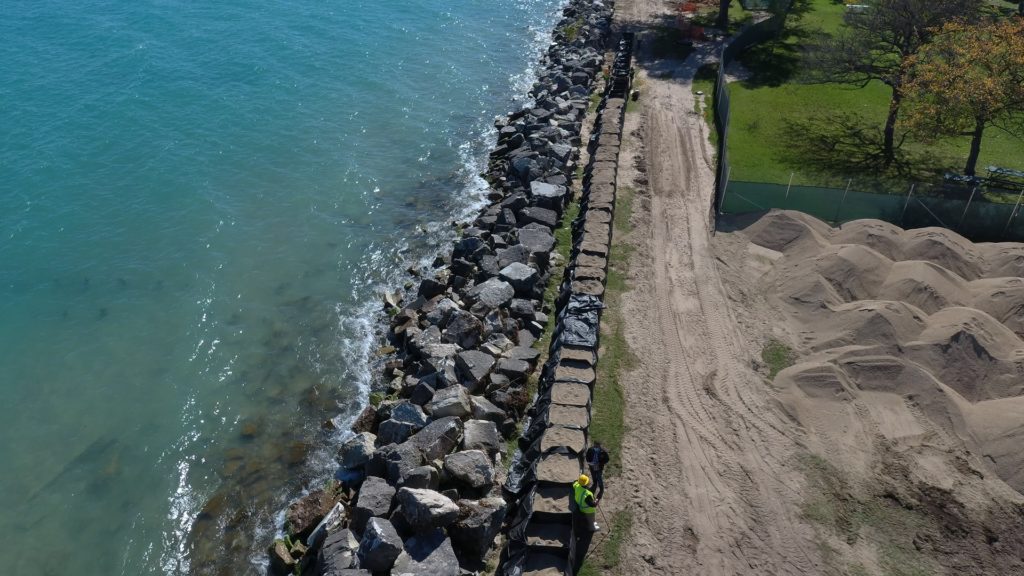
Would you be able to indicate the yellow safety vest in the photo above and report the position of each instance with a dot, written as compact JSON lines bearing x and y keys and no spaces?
{"x":580,"y":494}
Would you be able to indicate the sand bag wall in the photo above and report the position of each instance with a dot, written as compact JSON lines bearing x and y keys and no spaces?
{"x":542,"y":537}
{"x":419,"y":487}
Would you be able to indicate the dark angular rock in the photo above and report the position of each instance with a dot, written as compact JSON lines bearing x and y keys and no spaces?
{"x":374,"y":500}
{"x":472,"y":468}
{"x":481,"y":435}
{"x":537,"y":239}
{"x":492,"y":293}
{"x":357,"y":450}
{"x":536,"y":214}
{"x":548,"y":195}
{"x":523,"y":278}
{"x":438,"y":438}
{"x":463,"y":329}
{"x":338,"y":553}
{"x":430,"y":287}
{"x":471,"y":248}
{"x":400,"y":460}
{"x":421,"y":477}
{"x":427,"y":509}
{"x":521,"y":308}
{"x":517,"y":253}
{"x":516,"y":370}
{"x":473,"y":367}
{"x":367,"y":420}
{"x":484,"y":409}
{"x":422,"y":393}
{"x":523,"y":353}
{"x":478,"y":524}
{"x":450,"y":401}
{"x":380,"y":546}
{"x":429,"y":554}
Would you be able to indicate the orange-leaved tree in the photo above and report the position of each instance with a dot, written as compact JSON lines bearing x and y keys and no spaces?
{"x":968,"y":78}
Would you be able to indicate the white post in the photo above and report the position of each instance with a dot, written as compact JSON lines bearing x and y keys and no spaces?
{"x":843,"y":201}
{"x":964,"y":215}
{"x":905,"y":204}
{"x":725,"y":186}
{"x":788,"y":186}
{"x":1012,"y":213}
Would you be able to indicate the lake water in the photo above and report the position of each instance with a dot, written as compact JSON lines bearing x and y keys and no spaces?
{"x":200,"y":203}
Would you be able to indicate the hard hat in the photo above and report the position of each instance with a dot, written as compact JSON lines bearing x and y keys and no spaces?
{"x":584,"y":480}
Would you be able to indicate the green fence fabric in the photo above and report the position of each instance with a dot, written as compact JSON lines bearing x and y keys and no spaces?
{"x":975,"y":218}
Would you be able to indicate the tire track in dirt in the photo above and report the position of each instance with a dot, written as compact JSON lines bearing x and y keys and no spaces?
{"x":708,"y":461}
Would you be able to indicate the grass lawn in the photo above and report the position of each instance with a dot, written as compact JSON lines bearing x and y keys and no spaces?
{"x":763,"y":145}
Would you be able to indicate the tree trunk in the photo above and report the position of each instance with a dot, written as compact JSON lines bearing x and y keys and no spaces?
{"x":723,"y":16}
{"x":972,"y":158}
{"x":889,"y":134}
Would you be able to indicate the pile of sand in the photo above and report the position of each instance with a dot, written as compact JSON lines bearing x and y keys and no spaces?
{"x":909,"y":337}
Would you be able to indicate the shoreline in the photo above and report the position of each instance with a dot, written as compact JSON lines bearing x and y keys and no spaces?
{"x":461,"y":349}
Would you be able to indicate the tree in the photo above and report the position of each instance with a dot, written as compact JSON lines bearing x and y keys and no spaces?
{"x":877,"y":42}
{"x":722,"y":21}
{"x":970,"y":77}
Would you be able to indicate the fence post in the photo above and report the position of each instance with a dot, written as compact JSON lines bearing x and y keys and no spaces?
{"x":725,"y":186}
{"x":840,"y":208}
{"x":788,"y":186}
{"x":1012,"y":214}
{"x":964,"y":215}
{"x":903,"y":215}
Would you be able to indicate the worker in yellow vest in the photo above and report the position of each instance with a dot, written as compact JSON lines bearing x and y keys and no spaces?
{"x":585,"y":503}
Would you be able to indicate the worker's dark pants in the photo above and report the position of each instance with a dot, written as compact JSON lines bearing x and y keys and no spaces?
{"x":597,"y":475}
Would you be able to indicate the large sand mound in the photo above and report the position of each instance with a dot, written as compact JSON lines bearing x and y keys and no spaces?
{"x":911,"y":336}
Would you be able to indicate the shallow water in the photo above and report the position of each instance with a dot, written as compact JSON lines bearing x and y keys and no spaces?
{"x":199,"y":205}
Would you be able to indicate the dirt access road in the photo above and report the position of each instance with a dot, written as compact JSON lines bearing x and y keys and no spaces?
{"x":710,"y":474}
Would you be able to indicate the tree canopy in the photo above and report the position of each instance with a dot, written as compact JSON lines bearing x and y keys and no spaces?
{"x":968,"y":78}
{"x":876,"y":43}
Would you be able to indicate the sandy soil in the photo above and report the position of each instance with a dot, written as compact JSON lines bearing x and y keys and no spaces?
{"x":730,"y":474}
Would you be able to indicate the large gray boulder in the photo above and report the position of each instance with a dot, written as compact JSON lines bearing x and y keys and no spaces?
{"x":438,"y":438}
{"x":516,"y":370}
{"x":484,"y":409}
{"x":517,"y":253}
{"x":473,"y":367}
{"x":400,"y":460}
{"x":428,"y":554}
{"x":481,"y":435}
{"x":337,"y":553}
{"x":537,"y":239}
{"x":472,"y":468}
{"x":406,"y":419}
{"x":478,"y":524}
{"x":538,"y":215}
{"x":450,"y":401}
{"x":421,"y":477}
{"x":427,"y":509}
{"x":357,"y":450}
{"x":375,"y":498}
{"x":523,"y":278}
{"x":548,"y":195}
{"x":492,"y":293}
{"x":463,"y":329}
{"x":380,"y":546}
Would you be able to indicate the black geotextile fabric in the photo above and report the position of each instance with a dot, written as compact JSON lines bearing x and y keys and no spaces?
{"x":579,"y":324}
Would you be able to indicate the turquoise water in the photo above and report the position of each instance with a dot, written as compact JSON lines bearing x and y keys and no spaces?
{"x":199,"y":206}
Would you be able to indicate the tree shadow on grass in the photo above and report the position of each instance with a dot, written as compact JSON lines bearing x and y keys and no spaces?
{"x":841,"y":146}
{"x":778,"y":60}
